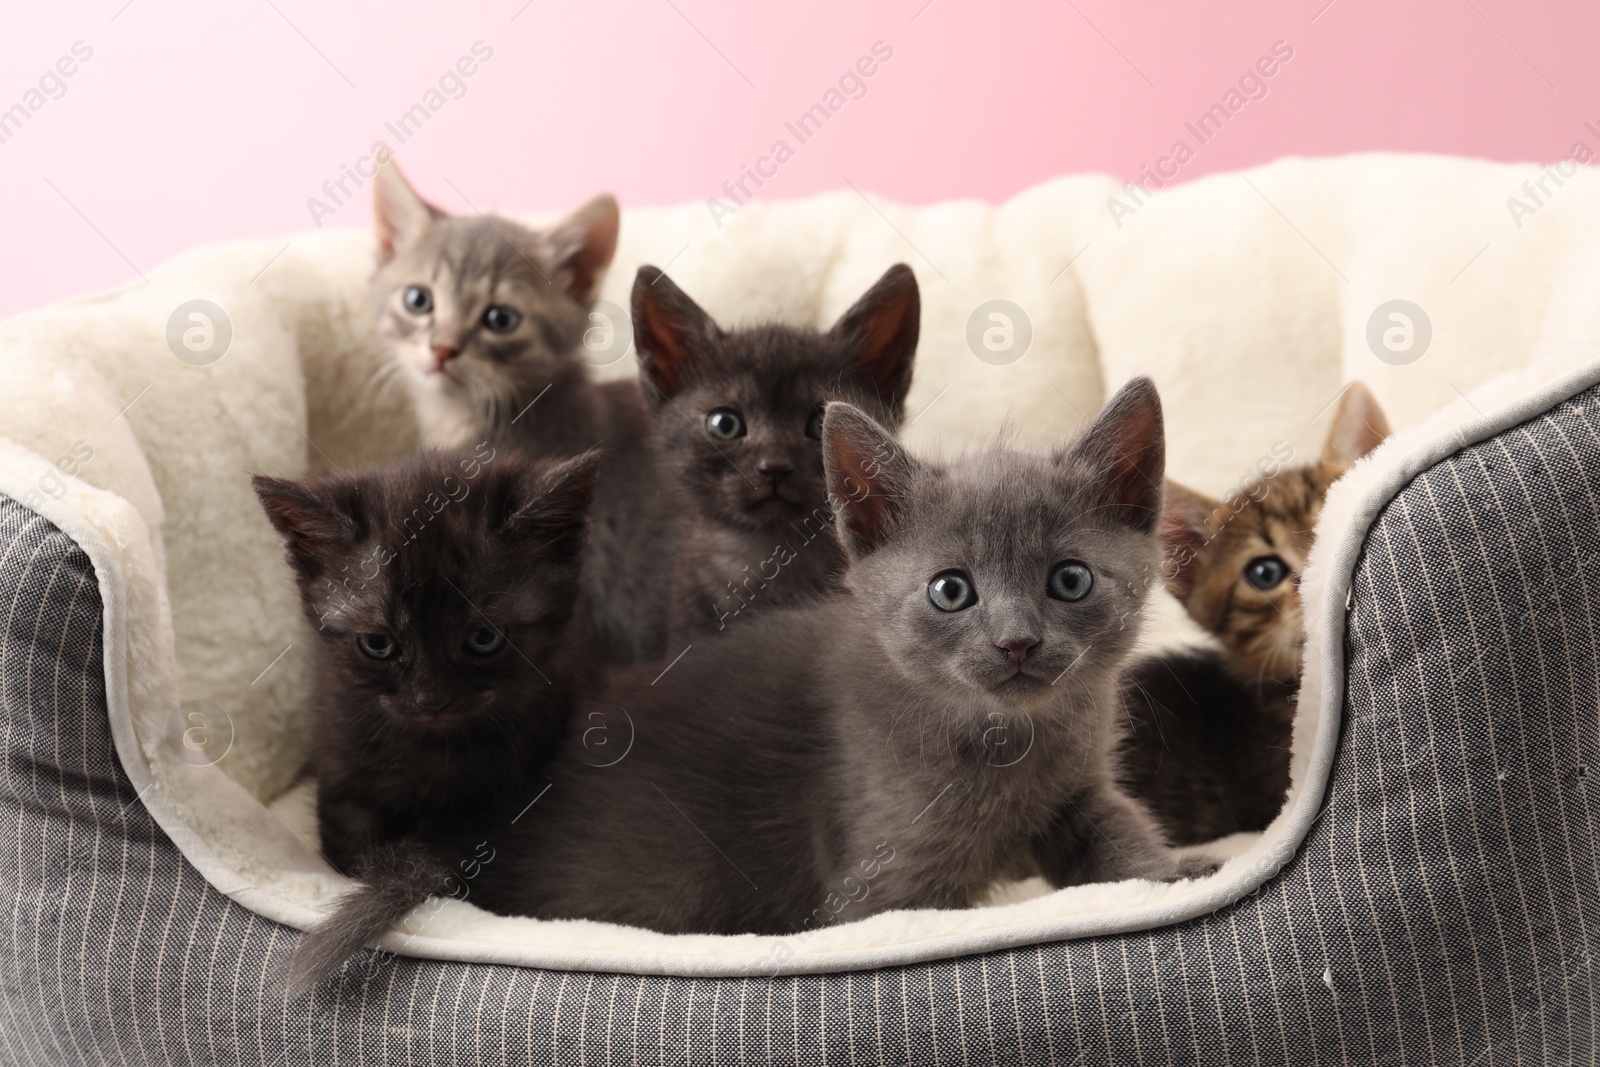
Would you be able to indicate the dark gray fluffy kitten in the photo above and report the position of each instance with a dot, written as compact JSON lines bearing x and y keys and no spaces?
{"x":441,"y":589}
{"x":738,"y":422}
{"x":484,"y":319}
{"x":947,"y":722}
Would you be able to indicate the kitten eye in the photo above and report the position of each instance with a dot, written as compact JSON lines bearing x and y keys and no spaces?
{"x":724,"y":424}
{"x":1266,"y":572}
{"x":814,"y":425}
{"x":418,"y":300}
{"x":377,"y":646}
{"x":485,"y":641}
{"x":952,"y":591}
{"x":1070,"y":581}
{"x":501,"y":319}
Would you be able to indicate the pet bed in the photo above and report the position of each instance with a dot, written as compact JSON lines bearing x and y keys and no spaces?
{"x":1430,"y":893}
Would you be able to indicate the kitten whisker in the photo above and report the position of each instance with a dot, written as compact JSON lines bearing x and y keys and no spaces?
{"x":389,"y":372}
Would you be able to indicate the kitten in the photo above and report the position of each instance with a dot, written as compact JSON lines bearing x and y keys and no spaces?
{"x":441,"y":589}
{"x":483,"y":314}
{"x":738,"y":417}
{"x":484,"y":319}
{"x":945,"y":722}
{"x":1210,"y":731}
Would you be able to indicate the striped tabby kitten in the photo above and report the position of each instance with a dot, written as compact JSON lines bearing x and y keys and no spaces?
{"x":1208,"y":745}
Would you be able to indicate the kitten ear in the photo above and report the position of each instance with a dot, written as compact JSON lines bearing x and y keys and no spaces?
{"x":584,"y":243}
{"x":550,"y":504}
{"x":399,"y":215}
{"x":1124,"y":451}
{"x":670,"y":331}
{"x":1359,"y":426}
{"x":1184,"y":534}
{"x":868,"y":474}
{"x":881,"y":330}
{"x":313,"y":528}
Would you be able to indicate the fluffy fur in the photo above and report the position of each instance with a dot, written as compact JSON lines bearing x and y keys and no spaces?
{"x":738,"y":419}
{"x":396,"y":877}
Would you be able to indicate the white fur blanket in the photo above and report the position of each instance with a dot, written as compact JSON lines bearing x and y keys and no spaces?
{"x":1250,"y":298}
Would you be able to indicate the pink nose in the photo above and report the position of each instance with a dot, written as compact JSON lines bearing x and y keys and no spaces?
{"x":1017,"y":647}
{"x":443,"y":354}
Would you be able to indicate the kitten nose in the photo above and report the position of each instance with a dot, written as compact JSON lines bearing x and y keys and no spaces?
{"x":774,"y":470}
{"x":443,"y":354}
{"x":431,"y":705}
{"x":1017,"y":647}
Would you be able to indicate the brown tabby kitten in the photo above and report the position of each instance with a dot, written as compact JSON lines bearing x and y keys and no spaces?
{"x":1208,"y":746}
{"x":738,"y":416}
{"x":485,"y":320}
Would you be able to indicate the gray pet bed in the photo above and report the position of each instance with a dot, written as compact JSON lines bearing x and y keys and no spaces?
{"x":1442,"y":908}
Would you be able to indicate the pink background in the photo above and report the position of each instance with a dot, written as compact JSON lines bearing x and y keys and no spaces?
{"x":196,"y":122}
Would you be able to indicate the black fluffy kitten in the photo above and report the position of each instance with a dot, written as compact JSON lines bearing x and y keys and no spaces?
{"x":1206,"y":749}
{"x":441,"y":589}
{"x":738,"y":422}
{"x":946,"y":722}
{"x":485,"y":321}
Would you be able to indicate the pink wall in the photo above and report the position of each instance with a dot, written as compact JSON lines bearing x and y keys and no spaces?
{"x":193,"y":122}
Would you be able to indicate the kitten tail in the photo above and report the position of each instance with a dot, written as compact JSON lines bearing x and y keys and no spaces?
{"x":398,"y":877}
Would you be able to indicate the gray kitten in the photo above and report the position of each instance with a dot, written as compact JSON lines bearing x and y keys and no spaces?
{"x":738,"y":417}
{"x":947,"y":722}
{"x":485,"y":320}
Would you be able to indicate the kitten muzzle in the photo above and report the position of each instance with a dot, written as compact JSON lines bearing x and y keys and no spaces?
{"x":436,"y":714}
{"x":1020,"y":677}
{"x":776,"y":498}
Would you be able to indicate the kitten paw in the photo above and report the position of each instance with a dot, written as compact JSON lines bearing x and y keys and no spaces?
{"x":1195,"y":867}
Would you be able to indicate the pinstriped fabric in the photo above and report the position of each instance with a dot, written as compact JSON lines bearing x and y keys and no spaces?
{"x":1443,"y":909}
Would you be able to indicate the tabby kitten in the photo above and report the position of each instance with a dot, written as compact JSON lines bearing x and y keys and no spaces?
{"x":1210,"y":731}
{"x":948,"y":720}
{"x":441,"y":589}
{"x":483,"y":314}
{"x":738,"y":416}
{"x":484,"y":319}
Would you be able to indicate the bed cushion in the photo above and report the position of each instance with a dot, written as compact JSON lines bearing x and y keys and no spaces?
{"x":1443,"y":906}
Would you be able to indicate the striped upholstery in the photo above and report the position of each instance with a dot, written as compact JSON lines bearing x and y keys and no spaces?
{"x":1444,"y":909}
